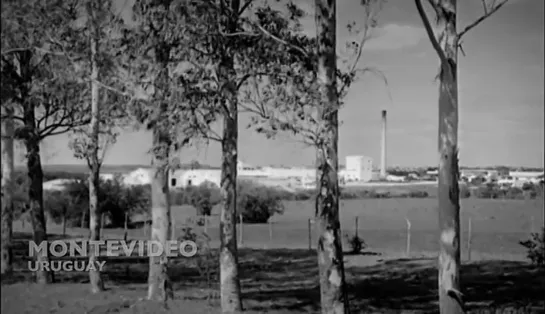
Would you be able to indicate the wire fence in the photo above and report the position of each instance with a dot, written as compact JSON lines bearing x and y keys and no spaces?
{"x":490,"y":232}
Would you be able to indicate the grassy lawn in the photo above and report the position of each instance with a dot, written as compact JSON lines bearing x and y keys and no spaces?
{"x":285,"y":281}
{"x":497,"y":226}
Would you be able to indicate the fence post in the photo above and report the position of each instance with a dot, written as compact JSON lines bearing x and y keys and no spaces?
{"x":101,"y":225}
{"x":408,"y":251}
{"x":356,"y":223}
{"x":309,"y":234}
{"x":241,"y":229}
{"x":469,"y":239}
{"x":270,"y":232}
{"x":64,"y":223}
{"x":173,"y":229}
{"x":126,"y":227}
{"x":206,"y":224}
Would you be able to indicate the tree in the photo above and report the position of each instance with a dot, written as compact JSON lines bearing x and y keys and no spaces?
{"x":446,"y":41}
{"x":306,"y":104}
{"x":48,"y":100}
{"x":8,"y":191}
{"x":238,"y":44}
{"x":151,"y":51}
{"x":330,"y":255}
{"x":85,"y":41}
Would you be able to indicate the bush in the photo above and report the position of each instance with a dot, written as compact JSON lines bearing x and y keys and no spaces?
{"x":303,"y":195}
{"x":514,"y":193}
{"x":203,"y":197}
{"x":535,"y":247}
{"x":356,"y":244}
{"x":114,"y":200}
{"x":490,"y":190}
{"x":464,"y":191}
{"x":418,"y":194}
{"x":257,"y":203}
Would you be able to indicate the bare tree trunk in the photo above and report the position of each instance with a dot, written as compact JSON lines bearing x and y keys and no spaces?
{"x":8,"y":166}
{"x":95,"y":279}
{"x":330,"y":256}
{"x":231,"y":301}
{"x":450,"y":298}
{"x":35,"y":193}
{"x":446,"y":45}
{"x":29,"y":133}
{"x":230,"y":285}
{"x":159,"y":286}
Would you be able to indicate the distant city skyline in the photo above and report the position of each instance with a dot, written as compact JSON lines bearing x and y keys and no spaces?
{"x":501,"y":97}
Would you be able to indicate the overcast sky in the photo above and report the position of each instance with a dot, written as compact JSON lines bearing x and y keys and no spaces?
{"x":501,"y":96}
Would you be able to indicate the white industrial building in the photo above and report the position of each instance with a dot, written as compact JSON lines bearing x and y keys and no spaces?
{"x":140,"y":176}
{"x":195,"y":177}
{"x":358,"y":168}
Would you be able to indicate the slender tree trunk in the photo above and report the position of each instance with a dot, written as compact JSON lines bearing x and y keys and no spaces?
{"x":450,"y":298}
{"x":7,"y":188}
{"x":35,"y":192}
{"x":330,"y":256}
{"x":231,"y":301}
{"x":95,"y":279}
{"x":159,"y":286}
{"x":29,"y":133}
{"x":445,"y":43}
{"x":230,"y":285}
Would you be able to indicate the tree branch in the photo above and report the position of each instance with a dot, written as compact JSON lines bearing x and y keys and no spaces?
{"x":245,"y":6}
{"x":487,"y":13}
{"x":267,"y":33}
{"x":13,"y":50}
{"x":431,"y":35}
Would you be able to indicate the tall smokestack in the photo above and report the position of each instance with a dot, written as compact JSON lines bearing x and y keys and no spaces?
{"x":383,"y":147}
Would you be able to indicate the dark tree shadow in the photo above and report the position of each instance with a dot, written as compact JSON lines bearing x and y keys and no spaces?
{"x":287,"y":280}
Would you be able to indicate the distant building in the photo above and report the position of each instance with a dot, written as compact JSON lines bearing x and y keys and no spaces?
{"x":358,"y":168}
{"x":57,"y":184}
{"x":140,"y":176}
{"x":196,"y":177}
{"x":394,"y":178}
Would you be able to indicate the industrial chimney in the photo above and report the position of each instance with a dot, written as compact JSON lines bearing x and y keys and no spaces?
{"x":383,"y":147}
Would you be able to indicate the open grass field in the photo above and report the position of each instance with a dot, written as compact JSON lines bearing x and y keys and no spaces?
{"x":496,"y":226}
{"x":280,"y":275}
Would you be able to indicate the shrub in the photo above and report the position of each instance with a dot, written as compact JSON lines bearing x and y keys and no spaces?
{"x":514,"y":193}
{"x":418,"y":194}
{"x":302,"y":196}
{"x":257,"y":203}
{"x":114,"y":200}
{"x":490,"y":190}
{"x":464,"y":191}
{"x":356,"y":243}
{"x":535,"y":247}
{"x":203,"y":197}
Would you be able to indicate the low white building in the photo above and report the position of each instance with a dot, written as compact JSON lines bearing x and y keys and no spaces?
{"x":358,"y":168}
{"x":57,"y":184}
{"x":525,"y":175}
{"x":107,"y":176}
{"x":140,"y":176}
{"x":394,"y":178}
{"x":195,"y":177}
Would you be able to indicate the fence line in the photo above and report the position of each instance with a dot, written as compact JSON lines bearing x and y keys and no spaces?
{"x":406,"y":236}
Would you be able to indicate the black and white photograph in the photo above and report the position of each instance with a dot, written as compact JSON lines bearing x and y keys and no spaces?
{"x":272,"y":156}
